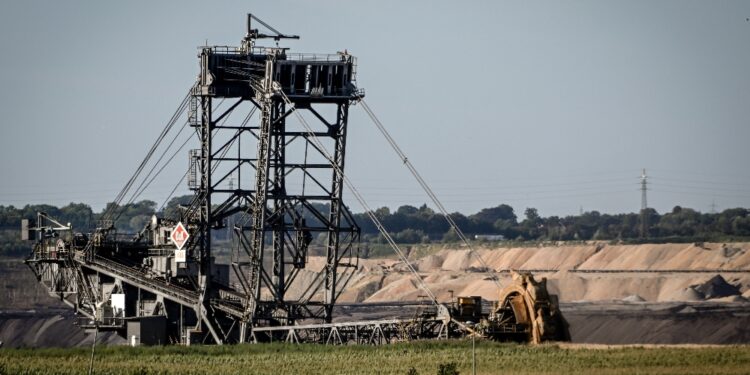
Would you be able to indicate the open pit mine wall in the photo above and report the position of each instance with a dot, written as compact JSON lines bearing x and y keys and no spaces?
{"x":595,"y":272}
{"x":614,"y":294}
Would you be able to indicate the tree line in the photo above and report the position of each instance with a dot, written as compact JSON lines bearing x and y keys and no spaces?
{"x":412,"y":224}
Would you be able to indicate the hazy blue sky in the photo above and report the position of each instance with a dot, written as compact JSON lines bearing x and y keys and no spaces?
{"x":554,"y":105}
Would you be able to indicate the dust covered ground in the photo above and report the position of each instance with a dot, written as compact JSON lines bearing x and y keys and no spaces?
{"x":609,"y":294}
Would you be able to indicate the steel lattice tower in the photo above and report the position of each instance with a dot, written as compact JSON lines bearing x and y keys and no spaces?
{"x":277,"y":219}
{"x":644,"y":204}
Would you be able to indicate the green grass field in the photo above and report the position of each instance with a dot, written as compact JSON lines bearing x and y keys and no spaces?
{"x":425,"y":357}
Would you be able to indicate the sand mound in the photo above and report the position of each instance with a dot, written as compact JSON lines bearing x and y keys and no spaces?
{"x":633,"y":298}
{"x":455,"y":271}
{"x":717,"y":287}
{"x":457,"y":260}
{"x":668,"y":257}
{"x":687,"y":294}
{"x":687,"y":310}
{"x":403,"y":288}
{"x":729,"y":251}
{"x":429,"y":263}
{"x":557,"y":258}
{"x":595,"y":256}
{"x":483,"y":287}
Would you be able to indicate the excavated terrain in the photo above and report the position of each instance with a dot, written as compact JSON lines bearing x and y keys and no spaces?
{"x":590,"y":273}
{"x":29,"y":317}
{"x":611,"y":294}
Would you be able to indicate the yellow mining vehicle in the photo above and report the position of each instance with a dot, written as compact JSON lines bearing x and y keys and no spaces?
{"x":524,"y":312}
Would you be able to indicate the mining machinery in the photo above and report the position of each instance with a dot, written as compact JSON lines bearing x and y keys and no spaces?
{"x":280,"y":200}
{"x":525,"y":312}
{"x":163,"y":284}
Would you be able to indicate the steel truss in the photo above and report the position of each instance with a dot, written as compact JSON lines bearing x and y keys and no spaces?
{"x":284,"y":202}
{"x":275,"y":220}
{"x":369,"y":332}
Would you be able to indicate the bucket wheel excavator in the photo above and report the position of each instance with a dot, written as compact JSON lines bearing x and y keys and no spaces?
{"x":150,"y":289}
{"x":526,"y":312}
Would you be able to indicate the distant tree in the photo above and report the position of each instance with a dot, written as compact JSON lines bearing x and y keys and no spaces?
{"x":492,"y":215}
{"x":407,"y":210}
{"x":450,"y":236}
{"x":680,"y":222}
{"x":125,"y":214}
{"x":506,"y":228}
{"x":382,"y":212}
{"x":171,"y":209}
{"x":725,"y":222}
{"x":741,"y":226}
{"x":138,"y":222}
{"x":554,"y":228}
{"x":628,"y":227}
{"x":531,"y":226}
{"x":652,"y":219}
{"x":79,"y":215}
{"x":425,"y":211}
{"x":461,"y":221}
{"x":588,"y":224}
{"x":532,"y":215}
{"x":409,"y":236}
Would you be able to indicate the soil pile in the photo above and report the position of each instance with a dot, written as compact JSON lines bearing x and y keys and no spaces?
{"x":633,"y":298}
{"x":653,"y":272}
{"x":717,"y":287}
{"x":617,"y":275}
{"x":698,"y":323}
{"x":48,"y":329}
{"x":688,"y":294}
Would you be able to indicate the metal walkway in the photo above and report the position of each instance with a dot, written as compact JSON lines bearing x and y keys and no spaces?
{"x":369,"y":332}
{"x":138,"y":278}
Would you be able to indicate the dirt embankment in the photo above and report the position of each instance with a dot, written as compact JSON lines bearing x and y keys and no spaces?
{"x":658,"y":323}
{"x":30,"y":317}
{"x":638,"y":294}
{"x":47,"y":328}
{"x":670,"y":293}
{"x":596,"y":272}
{"x":19,"y":289}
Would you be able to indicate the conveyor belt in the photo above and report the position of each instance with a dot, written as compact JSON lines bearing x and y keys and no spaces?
{"x":138,"y":278}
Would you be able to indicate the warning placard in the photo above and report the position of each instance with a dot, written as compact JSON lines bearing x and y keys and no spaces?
{"x":179,"y":236}
{"x":180,"y":256}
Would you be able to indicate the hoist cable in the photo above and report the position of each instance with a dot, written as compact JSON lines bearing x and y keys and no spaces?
{"x":370,"y":213}
{"x":108,"y":214}
{"x":429,"y":191}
